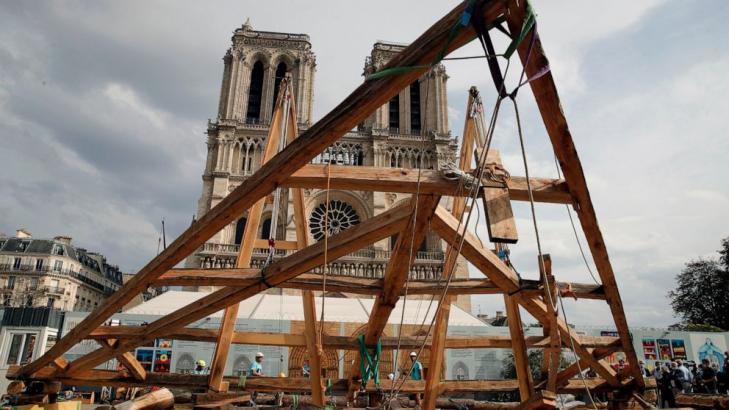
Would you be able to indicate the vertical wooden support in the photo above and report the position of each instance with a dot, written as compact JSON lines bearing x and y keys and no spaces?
{"x":518,"y":345}
{"x":552,"y":353}
{"x":535,"y":61}
{"x":437,"y":347}
{"x":245,"y":253}
{"x":313,"y":344}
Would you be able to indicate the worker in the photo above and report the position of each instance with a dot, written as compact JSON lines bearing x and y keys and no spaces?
{"x":257,"y":366}
{"x":199,"y":367}
{"x":416,"y":373}
{"x":306,"y":369}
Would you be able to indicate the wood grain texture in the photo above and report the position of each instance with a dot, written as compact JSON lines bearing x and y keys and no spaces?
{"x":555,"y":122}
{"x":353,"y":110}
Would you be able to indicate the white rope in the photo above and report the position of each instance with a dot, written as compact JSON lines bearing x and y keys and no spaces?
{"x":543,"y":270}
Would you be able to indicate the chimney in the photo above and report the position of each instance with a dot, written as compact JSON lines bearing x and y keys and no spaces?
{"x":63,"y":239}
{"x":499,"y":314}
{"x":23,"y":233}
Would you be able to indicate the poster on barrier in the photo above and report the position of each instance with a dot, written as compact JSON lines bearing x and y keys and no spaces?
{"x":679,"y":349}
{"x":709,"y":347}
{"x":664,"y":349}
{"x":649,"y":349}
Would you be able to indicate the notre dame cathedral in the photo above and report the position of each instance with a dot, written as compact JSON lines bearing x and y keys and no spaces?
{"x":410,"y":131}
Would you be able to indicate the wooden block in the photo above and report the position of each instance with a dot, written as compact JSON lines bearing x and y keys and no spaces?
{"x":497,"y":203}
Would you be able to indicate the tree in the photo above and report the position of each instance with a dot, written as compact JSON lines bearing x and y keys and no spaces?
{"x":701,"y":296}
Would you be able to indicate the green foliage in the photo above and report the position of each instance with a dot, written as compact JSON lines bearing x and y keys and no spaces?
{"x":508,"y":370}
{"x":536,"y":356}
{"x":701,"y":297}
{"x":696,"y":327}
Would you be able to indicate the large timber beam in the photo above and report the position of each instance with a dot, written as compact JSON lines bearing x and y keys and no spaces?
{"x":606,"y":344}
{"x":362,"y":286}
{"x":403,"y":254}
{"x":487,"y":262}
{"x":245,"y":252}
{"x":545,"y":93}
{"x":293,"y":384}
{"x":369,"y":96}
{"x":403,"y":180}
{"x":376,"y":228}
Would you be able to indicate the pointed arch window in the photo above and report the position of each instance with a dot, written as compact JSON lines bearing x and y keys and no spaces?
{"x":266,"y":228}
{"x":239,"y":229}
{"x":255,"y":93}
{"x":280,"y":74}
{"x":394,"y":110}
{"x":415,"y":125}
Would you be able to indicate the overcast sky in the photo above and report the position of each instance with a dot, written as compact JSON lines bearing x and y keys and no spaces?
{"x":103,"y":108}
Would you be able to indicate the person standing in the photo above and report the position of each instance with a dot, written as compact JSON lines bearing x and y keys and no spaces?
{"x":199,"y":367}
{"x":665,"y":388}
{"x":256,"y":371}
{"x":257,"y":366}
{"x":306,"y":369}
{"x":685,"y":377}
{"x":416,"y":373}
{"x":644,"y":370}
{"x":708,"y":377}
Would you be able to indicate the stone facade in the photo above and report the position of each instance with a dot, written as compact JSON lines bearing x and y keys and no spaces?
{"x":410,"y":131}
{"x":53,"y":273}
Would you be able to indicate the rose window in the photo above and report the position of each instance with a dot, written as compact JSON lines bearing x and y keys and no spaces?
{"x":341,"y":216}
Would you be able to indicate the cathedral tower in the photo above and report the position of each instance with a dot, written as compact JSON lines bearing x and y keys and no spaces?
{"x":411,"y":130}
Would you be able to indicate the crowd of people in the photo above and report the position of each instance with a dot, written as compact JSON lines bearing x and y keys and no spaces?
{"x":680,"y":376}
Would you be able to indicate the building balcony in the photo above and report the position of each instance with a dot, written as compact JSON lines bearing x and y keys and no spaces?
{"x":53,"y":290}
{"x":371,"y":263}
{"x":223,"y":249}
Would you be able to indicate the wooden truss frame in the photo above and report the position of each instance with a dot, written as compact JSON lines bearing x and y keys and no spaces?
{"x":290,"y":168}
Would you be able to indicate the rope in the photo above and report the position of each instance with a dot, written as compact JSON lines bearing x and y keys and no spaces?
{"x":277,"y":193}
{"x":574,"y":230}
{"x":412,"y":239}
{"x":326,"y":251}
{"x":472,"y":198}
{"x":541,"y":255}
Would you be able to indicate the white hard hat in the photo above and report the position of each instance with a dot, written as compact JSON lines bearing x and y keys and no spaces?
{"x":413,"y":354}
{"x":259,"y":354}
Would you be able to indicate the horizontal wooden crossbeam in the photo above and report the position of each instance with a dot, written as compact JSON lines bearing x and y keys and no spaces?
{"x":438,"y":40}
{"x":292,"y":384}
{"x":363,"y":286}
{"x":403,"y":180}
{"x":344,"y":342}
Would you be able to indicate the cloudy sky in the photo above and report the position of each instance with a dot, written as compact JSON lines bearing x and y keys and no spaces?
{"x":103,"y":107}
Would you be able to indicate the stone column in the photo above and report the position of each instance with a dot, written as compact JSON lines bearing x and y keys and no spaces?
{"x":225,"y":83}
{"x":233,"y":85}
{"x":269,"y":76}
{"x":244,"y":81}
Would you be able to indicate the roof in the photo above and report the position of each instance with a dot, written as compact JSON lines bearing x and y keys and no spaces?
{"x":289,"y":307}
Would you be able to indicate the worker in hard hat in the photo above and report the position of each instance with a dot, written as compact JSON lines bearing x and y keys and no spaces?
{"x":257,"y":366}
{"x":416,"y":373}
{"x":256,"y":371}
{"x":199,"y":367}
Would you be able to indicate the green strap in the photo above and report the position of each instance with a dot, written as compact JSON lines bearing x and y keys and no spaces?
{"x":462,"y":22}
{"x":369,"y":367}
{"x":529,"y":20}
{"x":242,"y":380}
{"x":295,"y":401}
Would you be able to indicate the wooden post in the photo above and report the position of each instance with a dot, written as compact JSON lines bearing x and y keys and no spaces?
{"x":437,"y":350}
{"x":352,"y":111}
{"x":521,"y":358}
{"x":313,"y":344}
{"x":245,"y":253}
{"x":550,"y":365}
{"x":534,"y":60}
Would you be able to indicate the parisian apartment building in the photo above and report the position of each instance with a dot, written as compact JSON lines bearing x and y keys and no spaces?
{"x":53,"y":273}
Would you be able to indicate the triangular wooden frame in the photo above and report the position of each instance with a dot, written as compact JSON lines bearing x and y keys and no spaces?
{"x":290,"y":168}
